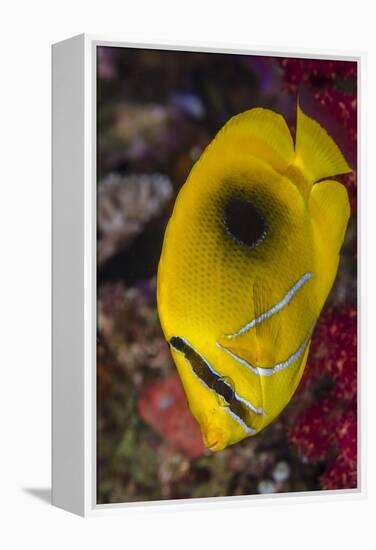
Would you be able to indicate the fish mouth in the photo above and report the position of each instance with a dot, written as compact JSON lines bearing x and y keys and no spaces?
{"x":215,"y":447}
{"x":236,"y":406}
{"x":211,"y":441}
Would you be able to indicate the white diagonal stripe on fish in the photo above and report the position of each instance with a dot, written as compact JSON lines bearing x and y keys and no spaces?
{"x":276,"y":368}
{"x":276,"y":308}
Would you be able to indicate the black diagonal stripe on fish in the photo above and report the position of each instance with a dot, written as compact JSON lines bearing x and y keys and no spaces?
{"x":238,"y":407}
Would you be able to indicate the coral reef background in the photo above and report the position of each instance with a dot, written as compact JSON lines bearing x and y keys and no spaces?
{"x":156,"y":111}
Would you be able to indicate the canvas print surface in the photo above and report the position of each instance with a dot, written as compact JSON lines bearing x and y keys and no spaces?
{"x":226,"y":274}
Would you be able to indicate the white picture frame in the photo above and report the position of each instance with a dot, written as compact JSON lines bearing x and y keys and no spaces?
{"x":74,"y":280}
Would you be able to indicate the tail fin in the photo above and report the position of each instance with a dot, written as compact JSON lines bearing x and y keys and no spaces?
{"x":316,"y":153}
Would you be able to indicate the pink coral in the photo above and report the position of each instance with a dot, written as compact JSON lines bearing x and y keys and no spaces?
{"x":163,"y":406}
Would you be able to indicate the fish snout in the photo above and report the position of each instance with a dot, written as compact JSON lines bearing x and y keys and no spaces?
{"x":214,"y":437}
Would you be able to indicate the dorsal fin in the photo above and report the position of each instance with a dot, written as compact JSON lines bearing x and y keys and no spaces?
{"x":266,"y":133}
{"x":316,"y":154}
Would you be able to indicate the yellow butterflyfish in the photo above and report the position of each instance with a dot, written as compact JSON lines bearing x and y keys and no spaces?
{"x":249,"y":256}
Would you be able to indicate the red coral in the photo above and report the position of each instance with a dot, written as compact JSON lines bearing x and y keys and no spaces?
{"x":333,"y":352}
{"x":341,"y":473}
{"x":338,"y":332}
{"x":316,"y":72}
{"x":342,"y":106}
{"x":163,"y":406}
{"x":346,"y":434}
{"x":313,"y":432}
{"x":327,"y":430}
{"x":338,"y":476}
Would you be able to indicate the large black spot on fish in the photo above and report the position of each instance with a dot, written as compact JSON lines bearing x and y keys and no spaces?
{"x":244,"y":222}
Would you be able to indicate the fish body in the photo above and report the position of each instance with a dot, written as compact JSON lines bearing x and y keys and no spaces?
{"x":249,"y":256}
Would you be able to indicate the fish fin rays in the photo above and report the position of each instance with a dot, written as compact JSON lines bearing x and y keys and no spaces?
{"x":268,"y":331}
{"x":258,"y":344}
{"x":266,"y":132}
{"x":316,"y":153}
{"x":330,"y":211}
